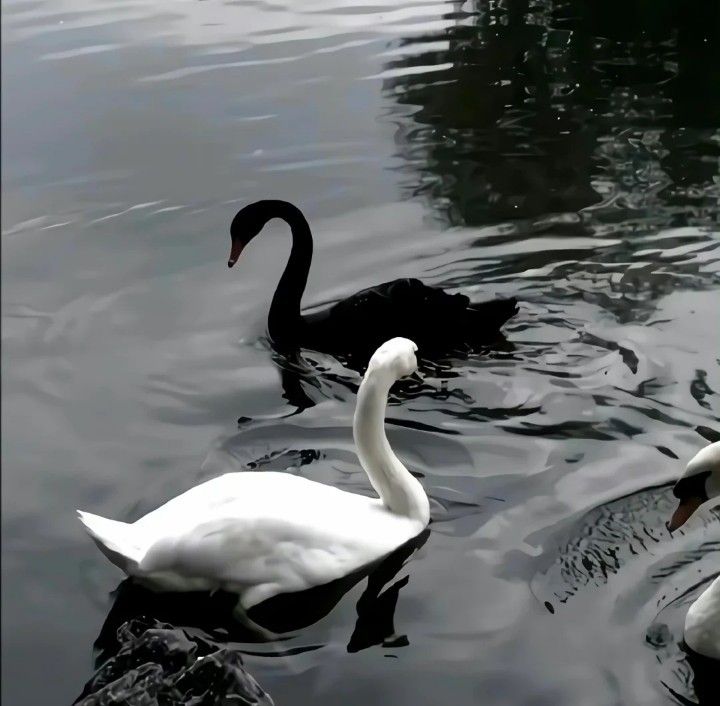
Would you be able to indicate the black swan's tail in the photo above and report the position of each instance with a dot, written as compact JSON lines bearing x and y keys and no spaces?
{"x":489,"y":317}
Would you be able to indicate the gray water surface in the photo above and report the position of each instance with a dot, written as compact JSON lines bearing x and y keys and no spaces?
{"x":565,"y":153}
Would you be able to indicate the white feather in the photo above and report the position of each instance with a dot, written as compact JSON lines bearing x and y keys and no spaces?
{"x":702,"y":623}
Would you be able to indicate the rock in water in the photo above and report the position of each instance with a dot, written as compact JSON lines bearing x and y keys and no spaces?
{"x":160,"y":665}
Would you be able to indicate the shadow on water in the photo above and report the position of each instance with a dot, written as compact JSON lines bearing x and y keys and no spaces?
{"x":375,"y":608}
{"x":302,"y":372}
{"x":150,"y":643}
{"x":704,"y":680}
{"x":528,"y":108}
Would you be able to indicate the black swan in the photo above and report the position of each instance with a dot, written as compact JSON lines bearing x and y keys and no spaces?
{"x":435,"y":320}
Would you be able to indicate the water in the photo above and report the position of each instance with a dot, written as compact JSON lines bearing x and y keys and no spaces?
{"x":565,"y":153}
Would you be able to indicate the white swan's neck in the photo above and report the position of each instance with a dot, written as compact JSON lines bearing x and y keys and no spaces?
{"x":399,"y":491}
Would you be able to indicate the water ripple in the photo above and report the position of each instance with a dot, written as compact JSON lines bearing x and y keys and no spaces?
{"x":564,"y":153}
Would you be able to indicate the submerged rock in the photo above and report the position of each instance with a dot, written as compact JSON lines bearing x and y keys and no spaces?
{"x":157,"y":664}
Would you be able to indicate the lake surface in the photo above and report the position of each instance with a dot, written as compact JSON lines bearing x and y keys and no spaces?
{"x":565,"y":153}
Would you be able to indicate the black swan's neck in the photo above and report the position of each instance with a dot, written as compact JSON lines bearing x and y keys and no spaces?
{"x":284,"y":320}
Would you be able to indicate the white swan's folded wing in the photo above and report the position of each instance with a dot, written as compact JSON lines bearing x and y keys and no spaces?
{"x":266,"y":556}
{"x":260,"y":534}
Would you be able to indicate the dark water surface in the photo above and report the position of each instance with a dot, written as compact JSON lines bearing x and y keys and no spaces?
{"x":566,"y":153}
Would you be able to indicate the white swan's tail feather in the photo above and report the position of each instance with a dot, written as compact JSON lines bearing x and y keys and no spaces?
{"x":116,"y":540}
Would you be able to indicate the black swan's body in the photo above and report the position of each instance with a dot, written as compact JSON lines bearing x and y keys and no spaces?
{"x":435,"y":320}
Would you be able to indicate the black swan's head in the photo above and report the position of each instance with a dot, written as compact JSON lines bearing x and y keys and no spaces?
{"x":249,"y":221}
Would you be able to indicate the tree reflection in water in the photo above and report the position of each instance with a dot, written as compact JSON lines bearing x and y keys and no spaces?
{"x":532,"y":108}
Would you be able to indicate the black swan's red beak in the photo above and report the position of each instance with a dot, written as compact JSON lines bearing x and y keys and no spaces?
{"x":235,"y":252}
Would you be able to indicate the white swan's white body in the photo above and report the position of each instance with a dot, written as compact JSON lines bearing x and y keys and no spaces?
{"x":702,"y":623}
{"x":261,"y":534}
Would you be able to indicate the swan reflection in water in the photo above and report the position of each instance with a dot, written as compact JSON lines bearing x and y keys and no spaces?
{"x":302,"y":372}
{"x":177,"y":645}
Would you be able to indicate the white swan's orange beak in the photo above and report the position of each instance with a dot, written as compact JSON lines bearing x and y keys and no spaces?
{"x":235,"y":252}
{"x":683,"y":512}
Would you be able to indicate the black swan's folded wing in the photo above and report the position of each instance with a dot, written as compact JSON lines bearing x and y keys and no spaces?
{"x":407,"y":307}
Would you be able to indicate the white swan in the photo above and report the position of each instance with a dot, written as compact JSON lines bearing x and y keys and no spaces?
{"x":259,"y":534}
{"x":699,"y":484}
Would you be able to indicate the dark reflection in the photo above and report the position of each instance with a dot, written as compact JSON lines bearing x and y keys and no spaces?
{"x":536,"y":107}
{"x":306,"y":379}
{"x":709,"y":434}
{"x":705,"y":678}
{"x":295,"y":375}
{"x":302,"y":374}
{"x":376,"y":608}
{"x":150,"y":642}
{"x":289,"y":612}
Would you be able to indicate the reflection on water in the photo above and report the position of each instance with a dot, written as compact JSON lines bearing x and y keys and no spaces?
{"x":562,"y":152}
{"x":535,"y":108}
{"x":177,"y":648}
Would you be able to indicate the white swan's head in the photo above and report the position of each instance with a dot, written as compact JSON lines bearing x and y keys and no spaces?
{"x":699,"y":483}
{"x":395,"y":357}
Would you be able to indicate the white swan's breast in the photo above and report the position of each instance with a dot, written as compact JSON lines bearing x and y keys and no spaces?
{"x":702,"y":624}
